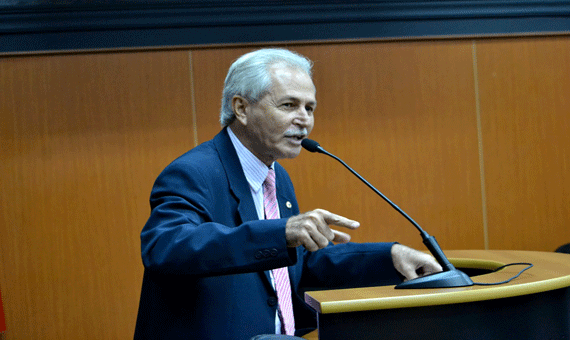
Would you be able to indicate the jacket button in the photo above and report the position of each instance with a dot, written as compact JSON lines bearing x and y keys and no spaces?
{"x":259,"y":255}
{"x":274,"y":252}
{"x":266,"y":253}
{"x":272,"y":301}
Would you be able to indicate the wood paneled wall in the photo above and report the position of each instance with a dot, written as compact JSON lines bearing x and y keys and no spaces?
{"x":83,"y":138}
{"x":470,"y":137}
{"x":525,"y":116}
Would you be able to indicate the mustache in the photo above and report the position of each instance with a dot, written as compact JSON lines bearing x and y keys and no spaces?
{"x":296,"y":133}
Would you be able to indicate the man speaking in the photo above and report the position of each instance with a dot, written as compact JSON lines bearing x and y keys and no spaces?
{"x":226,"y":252}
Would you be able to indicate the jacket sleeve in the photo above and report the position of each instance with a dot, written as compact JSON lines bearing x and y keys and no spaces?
{"x":195,"y":228}
{"x":349,"y":265}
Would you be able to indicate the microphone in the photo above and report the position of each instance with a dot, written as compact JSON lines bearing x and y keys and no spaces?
{"x":449,"y":277}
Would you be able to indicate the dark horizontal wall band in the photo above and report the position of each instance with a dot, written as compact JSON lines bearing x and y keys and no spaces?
{"x":37,"y":27}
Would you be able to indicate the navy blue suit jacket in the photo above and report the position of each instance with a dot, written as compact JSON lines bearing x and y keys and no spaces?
{"x":206,"y":254}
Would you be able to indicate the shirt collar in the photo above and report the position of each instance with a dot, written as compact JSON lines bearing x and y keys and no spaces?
{"x":255,"y":171}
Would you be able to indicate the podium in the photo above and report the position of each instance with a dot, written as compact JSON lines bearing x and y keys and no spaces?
{"x":535,"y":305}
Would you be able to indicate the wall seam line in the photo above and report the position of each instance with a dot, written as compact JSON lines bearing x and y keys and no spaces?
{"x":480,"y":146}
{"x":193,"y":99}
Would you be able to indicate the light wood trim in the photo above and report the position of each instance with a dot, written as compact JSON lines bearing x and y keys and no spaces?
{"x":314,"y":335}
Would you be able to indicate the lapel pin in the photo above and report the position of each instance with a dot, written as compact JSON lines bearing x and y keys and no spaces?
{"x":288,"y":204}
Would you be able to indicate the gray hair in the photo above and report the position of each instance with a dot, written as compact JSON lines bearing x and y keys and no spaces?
{"x":249,"y":77}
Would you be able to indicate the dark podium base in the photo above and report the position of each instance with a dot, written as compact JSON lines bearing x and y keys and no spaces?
{"x":536,"y":316}
{"x":447,"y":279}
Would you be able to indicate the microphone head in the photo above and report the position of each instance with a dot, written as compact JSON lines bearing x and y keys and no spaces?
{"x":310,"y":145}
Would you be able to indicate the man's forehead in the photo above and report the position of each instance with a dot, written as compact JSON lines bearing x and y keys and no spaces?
{"x":292,"y":82}
{"x":279,"y":71}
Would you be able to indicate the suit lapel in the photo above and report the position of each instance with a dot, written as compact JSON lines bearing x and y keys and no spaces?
{"x":236,"y":178}
{"x":240,"y":188}
{"x":238,"y":184}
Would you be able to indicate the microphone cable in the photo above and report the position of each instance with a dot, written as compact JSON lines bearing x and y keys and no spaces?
{"x":529,"y":265}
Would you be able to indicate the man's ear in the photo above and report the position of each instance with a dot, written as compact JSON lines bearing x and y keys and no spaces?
{"x":240,"y":106}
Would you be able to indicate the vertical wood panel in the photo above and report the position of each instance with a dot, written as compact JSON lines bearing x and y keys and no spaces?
{"x":403,"y":115}
{"x":83,"y":138}
{"x":525,"y":108}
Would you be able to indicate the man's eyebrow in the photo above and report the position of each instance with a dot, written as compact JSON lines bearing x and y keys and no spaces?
{"x":297,"y":99}
{"x":289,"y":98}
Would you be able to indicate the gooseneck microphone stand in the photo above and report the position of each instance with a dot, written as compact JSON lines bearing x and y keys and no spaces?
{"x":449,"y":277}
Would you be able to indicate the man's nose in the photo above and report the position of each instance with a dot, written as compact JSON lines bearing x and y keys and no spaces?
{"x":302,"y":117}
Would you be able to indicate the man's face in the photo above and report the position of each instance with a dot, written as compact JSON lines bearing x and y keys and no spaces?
{"x":277,"y":123}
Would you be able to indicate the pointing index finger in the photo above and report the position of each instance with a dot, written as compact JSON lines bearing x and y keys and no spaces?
{"x":340,"y":221}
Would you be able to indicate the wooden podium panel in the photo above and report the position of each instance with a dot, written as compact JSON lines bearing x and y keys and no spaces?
{"x":534,"y":306}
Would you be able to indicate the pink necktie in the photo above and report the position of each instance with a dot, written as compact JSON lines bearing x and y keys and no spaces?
{"x":280,"y":275}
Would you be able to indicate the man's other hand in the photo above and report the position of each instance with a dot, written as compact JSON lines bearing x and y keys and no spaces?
{"x":412,"y":263}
